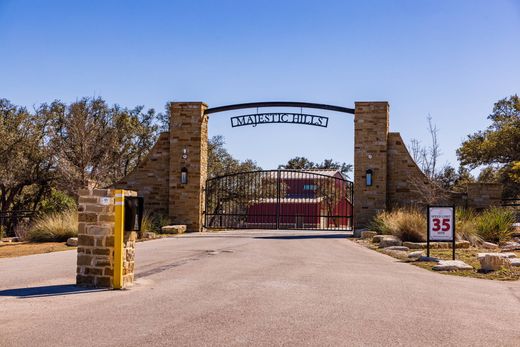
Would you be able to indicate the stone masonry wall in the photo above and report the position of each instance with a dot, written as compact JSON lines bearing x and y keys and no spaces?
{"x":404,"y":176}
{"x":482,"y":195}
{"x":95,"y":260}
{"x":150,"y":179}
{"x":370,"y":152}
{"x":188,"y":150}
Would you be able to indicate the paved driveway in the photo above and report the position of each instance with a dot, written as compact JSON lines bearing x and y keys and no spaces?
{"x":255,"y":288}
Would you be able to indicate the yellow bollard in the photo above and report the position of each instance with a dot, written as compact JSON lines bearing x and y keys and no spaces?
{"x":119,"y":202}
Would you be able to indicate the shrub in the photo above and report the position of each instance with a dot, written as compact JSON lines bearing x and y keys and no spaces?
{"x":466,"y":225}
{"x":57,"y":201}
{"x":57,"y":227}
{"x":495,"y":224}
{"x":406,"y":224}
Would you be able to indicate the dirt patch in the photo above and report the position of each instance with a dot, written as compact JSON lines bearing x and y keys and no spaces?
{"x":9,"y":250}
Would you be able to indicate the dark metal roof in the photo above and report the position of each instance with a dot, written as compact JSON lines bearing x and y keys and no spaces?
{"x":279,"y":104}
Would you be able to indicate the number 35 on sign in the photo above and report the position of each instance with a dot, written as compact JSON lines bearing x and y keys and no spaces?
{"x":441,"y":223}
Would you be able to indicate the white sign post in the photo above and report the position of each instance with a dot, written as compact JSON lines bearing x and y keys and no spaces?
{"x":441,"y":226}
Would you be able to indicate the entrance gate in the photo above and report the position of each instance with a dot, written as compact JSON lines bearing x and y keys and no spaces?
{"x":280,"y":199}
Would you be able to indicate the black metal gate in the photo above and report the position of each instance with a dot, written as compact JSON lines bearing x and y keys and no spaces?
{"x":280,"y":199}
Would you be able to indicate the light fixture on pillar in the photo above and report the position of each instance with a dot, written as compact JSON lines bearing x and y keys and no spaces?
{"x":184,"y":176}
{"x":368,"y":179}
{"x":184,"y":153}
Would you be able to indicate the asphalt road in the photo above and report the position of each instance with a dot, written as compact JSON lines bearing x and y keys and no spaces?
{"x":255,"y":288}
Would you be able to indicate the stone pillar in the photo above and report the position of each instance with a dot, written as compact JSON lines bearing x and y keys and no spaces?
{"x":188,"y":153}
{"x":370,"y":153}
{"x":483,"y":195}
{"x":96,"y":220}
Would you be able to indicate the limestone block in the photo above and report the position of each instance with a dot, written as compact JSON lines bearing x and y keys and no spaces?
{"x":451,"y":265}
{"x":72,"y":241}
{"x":174,"y":229}
{"x":368,"y":234}
{"x":501,"y":255}
{"x":389,"y":241}
{"x":378,"y":238}
{"x":493,"y":262}
{"x":415,"y":255}
{"x":397,"y":248}
{"x":514,"y":261}
{"x":489,"y":245}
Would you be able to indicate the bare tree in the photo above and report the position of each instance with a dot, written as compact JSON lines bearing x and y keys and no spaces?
{"x":427,"y":157}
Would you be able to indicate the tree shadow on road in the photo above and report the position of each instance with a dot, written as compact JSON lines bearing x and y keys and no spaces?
{"x":45,"y":291}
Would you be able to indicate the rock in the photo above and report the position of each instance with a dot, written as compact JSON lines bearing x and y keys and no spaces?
{"x":415,"y":245}
{"x":451,"y":265}
{"x":397,"y":248}
{"x":501,"y":255}
{"x":415,"y":255}
{"x":174,"y":229}
{"x":514,"y":261}
{"x":15,"y":239}
{"x":510,"y":246}
{"x":428,"y":259}
{"x":72,"y":242}
{"x":462,"y":244}
{"x":489,"y":245}
{"x":389,"y":241}
{"x":395,"y":254}
{"x":493,"y":262}
{"x":368,"y":234}
{"x":378,"y":238}
{"x":149,"y":235}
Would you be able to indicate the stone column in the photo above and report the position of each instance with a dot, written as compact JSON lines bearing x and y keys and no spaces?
{"x":188,"y":153}
{"x":370,"y":153}
{"x":96,"y":221}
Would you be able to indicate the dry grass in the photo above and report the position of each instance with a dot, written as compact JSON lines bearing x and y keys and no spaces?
{"x":406,"y":224}
{"x":55,"y":227}
{"x":9,"y":250}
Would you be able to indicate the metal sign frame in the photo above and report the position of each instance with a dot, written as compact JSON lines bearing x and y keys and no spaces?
{"x":428,"y":236}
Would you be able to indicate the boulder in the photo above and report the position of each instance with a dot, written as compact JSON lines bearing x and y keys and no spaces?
{"x":462,"y":244}
{"x":489,"y":245}
{"x":174,"y":229}
{"x":72,"y":242}
{"x":514,"y":261}
{"x":378,"y":238}
{"x":389,"y":241}
{"x":149,"y":235}
{"x":397,"y":248}
{"x":415,"y":245}
{"x":428,"y":259}
{"x":15,"y":239}
{"x":493,"y":262}
{"x":451,"y":265}
{"x":415,"y":255}
{"x":510,"y":246}
{"x":368,"y":234}
{"x":502,"y":255}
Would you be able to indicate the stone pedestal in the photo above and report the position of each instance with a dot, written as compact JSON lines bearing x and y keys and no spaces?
{"x":95,"y":262}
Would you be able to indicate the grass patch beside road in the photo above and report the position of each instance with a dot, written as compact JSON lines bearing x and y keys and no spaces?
{"x":8,"y":250}
{"x":469,"y":256}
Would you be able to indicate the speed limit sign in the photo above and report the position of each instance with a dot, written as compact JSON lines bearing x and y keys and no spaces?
{"x":441,"y":225}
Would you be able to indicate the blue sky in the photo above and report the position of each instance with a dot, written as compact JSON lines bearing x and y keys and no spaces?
{"x":449,"y":59}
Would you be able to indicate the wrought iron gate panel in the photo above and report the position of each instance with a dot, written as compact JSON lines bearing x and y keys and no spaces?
{"x":279,"y":199}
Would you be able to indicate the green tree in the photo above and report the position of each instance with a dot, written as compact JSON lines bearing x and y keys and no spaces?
{"x":96,"y":144}
{"x":498,"y":146}
{"x":221,"y":162}
{"x":302,"y":163}
{"x":26,"y":162}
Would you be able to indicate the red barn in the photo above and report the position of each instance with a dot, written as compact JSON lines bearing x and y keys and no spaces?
{"x":309,"y":199}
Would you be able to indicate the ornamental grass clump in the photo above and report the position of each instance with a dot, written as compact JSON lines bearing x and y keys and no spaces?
{"x":495,"y":224}
{"x":54,"y":227}
{"x":466,"y":226}
{"x":406,"y":224}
